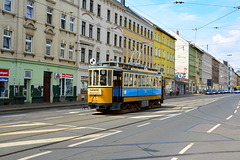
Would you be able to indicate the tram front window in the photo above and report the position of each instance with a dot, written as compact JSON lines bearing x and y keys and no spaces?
{"x":95,"y":77}
{"x":103,"y":77}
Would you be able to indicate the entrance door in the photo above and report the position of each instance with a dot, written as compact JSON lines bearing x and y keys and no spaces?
{"x":26,"y":90}
{"x":117,"y":86}
{"x":47,"y":86}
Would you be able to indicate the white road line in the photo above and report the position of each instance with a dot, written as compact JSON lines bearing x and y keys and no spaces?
{"x":229,"y":117}
{"x":186,"y":148}
{"x":76,"y":144}
{"x":235,"y":111}
{"x":212,"y":129}
{"x":53,"y":118}
{"x":143,"y":124}
{"x":30,"y":142}
{"x":36,"y":155}
{"x":183,"y":150}
{"x":24,"y":125}
{"x":237,"y":107}
{"x":19,"y":115}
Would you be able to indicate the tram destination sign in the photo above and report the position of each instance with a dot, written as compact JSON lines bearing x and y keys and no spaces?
{"x":95,"y":91}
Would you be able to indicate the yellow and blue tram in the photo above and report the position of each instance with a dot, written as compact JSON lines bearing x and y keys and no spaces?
{"x":115,"y":87}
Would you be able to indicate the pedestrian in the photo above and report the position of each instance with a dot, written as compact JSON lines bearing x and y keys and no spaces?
{"x":177,"y":91}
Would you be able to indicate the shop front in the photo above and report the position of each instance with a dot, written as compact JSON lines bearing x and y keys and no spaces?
{"x":182,"y":84}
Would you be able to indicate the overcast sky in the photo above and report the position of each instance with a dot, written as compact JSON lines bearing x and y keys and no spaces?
{"x":213,"y":25}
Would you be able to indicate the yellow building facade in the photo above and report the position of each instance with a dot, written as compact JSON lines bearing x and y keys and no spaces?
{"x":138,"y":39}
{"x":164,"y":57}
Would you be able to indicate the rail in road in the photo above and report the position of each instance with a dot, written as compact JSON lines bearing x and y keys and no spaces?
{"x":92,"y":126}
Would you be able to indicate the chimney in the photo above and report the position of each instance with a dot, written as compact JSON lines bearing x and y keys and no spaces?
{"x":123,"y":2}
{"x":177,"y":32}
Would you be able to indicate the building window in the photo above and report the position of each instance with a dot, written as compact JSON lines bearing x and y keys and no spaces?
{"x":137,"y":46}
{"x":129,"y":24}
{"x":48,"y":47}
{"x":167,"y":55}
{"x":84,"y":4}
{"x":107,"y":57}
{"x":156,"y":51}
{"x":63,"y":21}
{"x":91,"y":6}
{"x":115,"y":58}
{"x":89,"y":55}
{"x":145,"y":32}
{"x":159,"y":53}
{"x":148,"y":33}
{"x":125,"y":22}
{"x":167,"y":70}
{"x":90,"y":31}
{"x":116,"y":18}
{"x":115,"y":40}
{"x":71,"y":24}
{"x":83,"y":55}
{"x":148,"y":50}
{"x":98,"y":56}
{"x":163,"y":53}
{"x":71,"y":52}
{"x":137,"y":28}
{"x":151,"y":35}
{"x":29,"y":9}
{"x":141,"y":30}
{"x":99,"y":10}
{"x":129,"y":43}
{"x":62,"y":51}
{"x":7,"y":39}
{"x":8,"y":5}
{"x":120,"y":41}
{"x":108,"y":15}
{"x":83,"y":28}
{"x":159,"y":38}
{"x":134,"y":25}
{"x":120,"y":22}
{"x":108,"y":37}
{"x":125,"y":42}
{"x":28,"y":44}
{"x":49,"y":16}
{"x":163,"y":40}
{"x":98,"y":34}
{"x":120,"y":59}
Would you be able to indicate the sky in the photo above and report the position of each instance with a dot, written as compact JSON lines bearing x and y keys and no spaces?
{"x":212,"y":25}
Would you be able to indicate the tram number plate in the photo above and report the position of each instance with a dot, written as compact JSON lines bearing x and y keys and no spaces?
{"x":95,"y":91}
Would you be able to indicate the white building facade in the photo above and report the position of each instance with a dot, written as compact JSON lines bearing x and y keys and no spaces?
{"x":206,"y":69}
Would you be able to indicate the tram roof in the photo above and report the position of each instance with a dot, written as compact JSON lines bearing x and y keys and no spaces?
{"x":125,"y":66}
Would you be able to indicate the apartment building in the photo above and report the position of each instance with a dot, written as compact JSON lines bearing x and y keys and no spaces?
{"x":38,"y":51}
{"x":100,"y":36}
{"x":206,"y":70}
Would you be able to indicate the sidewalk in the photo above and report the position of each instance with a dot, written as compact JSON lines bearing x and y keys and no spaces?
{"x":34,"y":106}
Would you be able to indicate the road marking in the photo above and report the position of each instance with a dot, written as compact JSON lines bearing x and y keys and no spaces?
{"x":229,"y":117}
{"x":237,"y":107}
{"x":19,"y":115}
{"x":143,"y":124}
{"x":109,"y":134}
{"x":149,"y":116}
{"x":186,"y":148}
{"x":30,"y":142}
{"x":212,"y":129}
{"x":235,"y":111}
{"x":13,"y":123}
{"x":183,"y":150}
{"x":189,"y":110}
{"x":24,"y":125}
{"x":33,"y":131}
{"x":36,"y":155}
{"x":53,"y":118}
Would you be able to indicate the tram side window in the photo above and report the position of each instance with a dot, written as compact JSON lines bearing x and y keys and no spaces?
{"x":110,"y":78}
{"x":154,"y":82}
{"x":103,"y":77}
{"x":143,"y":81}
{"x":135,"y":80}
{"x":90,"y":78}
{"x":130,"y":80}
{"x":139,"y":81}
{"x":125,"y":79}
{"x":150,"y":81}
{"x":147,"y":81}
{"x":95,"y":77}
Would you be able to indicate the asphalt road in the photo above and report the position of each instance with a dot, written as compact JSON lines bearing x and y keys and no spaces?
{"x":197,"y":127}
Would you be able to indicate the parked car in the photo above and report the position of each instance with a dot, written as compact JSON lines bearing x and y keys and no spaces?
{"x":215,"y":92}
{"x":220,"y":92}
{"x":209,"y":91}
{"x":237,"y":91}
{"x":226,"y":91}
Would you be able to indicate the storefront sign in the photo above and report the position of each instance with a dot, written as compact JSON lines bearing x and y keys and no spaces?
{"x":28,"y":74}
{"x":63,"y":75}
{"x":4,"y":79}
{"x":4,"y":72}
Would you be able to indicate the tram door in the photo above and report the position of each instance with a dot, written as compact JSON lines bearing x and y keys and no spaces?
{"x":117,"y":86}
